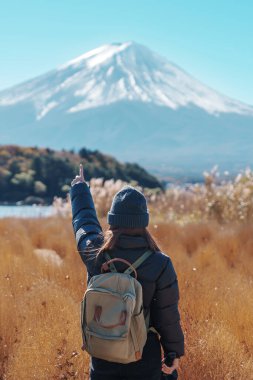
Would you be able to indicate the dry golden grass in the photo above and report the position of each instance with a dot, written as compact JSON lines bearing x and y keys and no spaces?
{"x":216,"y":199}
{"x":39,"y":323}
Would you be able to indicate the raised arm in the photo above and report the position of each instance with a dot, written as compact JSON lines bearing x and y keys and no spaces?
{"x":87,"y":229}
{"x":165,"y":314}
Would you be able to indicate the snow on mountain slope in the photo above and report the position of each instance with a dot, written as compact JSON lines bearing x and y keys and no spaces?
{"x":126,"y":100}
{"x":118,"y":72}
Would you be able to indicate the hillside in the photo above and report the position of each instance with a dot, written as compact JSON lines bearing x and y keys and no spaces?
{"x":27,"y":173}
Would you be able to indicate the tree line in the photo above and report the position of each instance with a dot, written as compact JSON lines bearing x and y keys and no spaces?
{"x":32,"y":174}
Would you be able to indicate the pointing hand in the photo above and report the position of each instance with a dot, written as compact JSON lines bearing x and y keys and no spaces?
{"x":79,"y":178}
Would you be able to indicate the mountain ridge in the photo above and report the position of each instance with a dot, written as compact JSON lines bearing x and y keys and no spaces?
{"x":122,"y":71}
{"x":130,"y":102}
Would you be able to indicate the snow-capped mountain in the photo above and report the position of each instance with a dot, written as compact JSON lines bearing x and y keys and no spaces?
{"x":126,"y":100}
{"x":115,"y":72}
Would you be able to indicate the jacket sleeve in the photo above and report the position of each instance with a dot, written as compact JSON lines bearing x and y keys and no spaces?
{"x":164,"y":313}
{"x":87,"y":229}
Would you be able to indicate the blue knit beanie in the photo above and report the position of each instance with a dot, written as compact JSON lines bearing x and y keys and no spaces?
{"x":128,"y":209}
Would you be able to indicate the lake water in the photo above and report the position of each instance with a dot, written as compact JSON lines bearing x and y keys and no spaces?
{"x":26,"y":211}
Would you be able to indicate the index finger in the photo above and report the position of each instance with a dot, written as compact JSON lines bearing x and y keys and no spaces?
{"x":81,"y":171}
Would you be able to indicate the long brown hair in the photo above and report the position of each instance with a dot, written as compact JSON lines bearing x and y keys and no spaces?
{"x":112,"y":235}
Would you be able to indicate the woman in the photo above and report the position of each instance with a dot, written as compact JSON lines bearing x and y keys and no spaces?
{"x":128,"y":238}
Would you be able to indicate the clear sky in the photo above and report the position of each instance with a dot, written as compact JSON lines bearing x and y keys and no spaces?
{"x":210,"y":39}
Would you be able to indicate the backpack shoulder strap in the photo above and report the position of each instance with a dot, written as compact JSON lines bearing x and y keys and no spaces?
{"x":138,"y":262}
{"x":111,"y":265}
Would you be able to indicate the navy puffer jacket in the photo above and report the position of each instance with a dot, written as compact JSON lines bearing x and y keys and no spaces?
{"x":156,"y":275}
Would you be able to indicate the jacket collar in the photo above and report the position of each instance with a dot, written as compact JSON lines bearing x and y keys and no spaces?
{"x":129,"y":241}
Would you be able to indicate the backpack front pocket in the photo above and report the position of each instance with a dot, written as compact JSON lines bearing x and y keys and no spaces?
{"x":107,"y":314}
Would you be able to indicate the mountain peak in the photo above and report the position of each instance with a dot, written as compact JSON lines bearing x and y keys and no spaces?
{"x":130,"y":71}
{"x":127,"y":100}
{"x":99,"y":55}
{"x":120,"y":71}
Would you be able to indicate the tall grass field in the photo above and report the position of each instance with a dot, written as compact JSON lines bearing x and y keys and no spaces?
{"x":208,"y":235}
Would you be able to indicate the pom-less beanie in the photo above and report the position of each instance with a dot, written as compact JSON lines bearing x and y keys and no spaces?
{"x":128,"y":209}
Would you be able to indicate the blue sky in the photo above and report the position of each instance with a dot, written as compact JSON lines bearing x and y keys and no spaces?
{"x":210,"y":39}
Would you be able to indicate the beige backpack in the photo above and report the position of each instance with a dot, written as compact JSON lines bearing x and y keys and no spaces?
{"x":112,"y":320}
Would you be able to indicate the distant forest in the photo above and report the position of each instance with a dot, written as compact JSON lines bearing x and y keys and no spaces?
{"x":36,"y":175}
